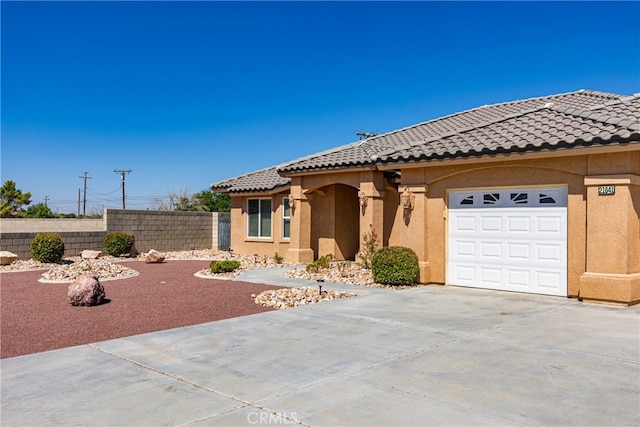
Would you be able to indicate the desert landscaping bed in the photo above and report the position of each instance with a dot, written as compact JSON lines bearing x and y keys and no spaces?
{"x":145,"y":297}
{"x":36,"y":317}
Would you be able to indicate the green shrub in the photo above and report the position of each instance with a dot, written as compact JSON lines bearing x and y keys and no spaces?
{"x":395,"y":265}
{"x":225,"y":266}
{"x":321,"y":263}
{"x":47,"y":247}
{"x":116,"y":244}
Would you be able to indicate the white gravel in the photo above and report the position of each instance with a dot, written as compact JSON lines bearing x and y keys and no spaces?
{"x":294,"y":297}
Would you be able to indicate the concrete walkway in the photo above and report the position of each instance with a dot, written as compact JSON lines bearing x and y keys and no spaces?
{"x":436,"y":355}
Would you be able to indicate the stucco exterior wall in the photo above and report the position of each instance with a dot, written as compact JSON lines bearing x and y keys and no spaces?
{"x":241,"y":243}
{"x":334,"y":221}
{"x":603,"y":233}
{"x":440,"y":180}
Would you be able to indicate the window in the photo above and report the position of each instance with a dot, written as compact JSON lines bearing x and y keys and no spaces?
{"x":546,"y":199}
{"x":286,"y":218}
{"x":490,"y":198}
{"x":467,"y":200}
{"x":520,"y":198}
{"x":259,"y":218}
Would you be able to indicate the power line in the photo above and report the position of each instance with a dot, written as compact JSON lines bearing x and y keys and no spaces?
{"x":103,"y":194}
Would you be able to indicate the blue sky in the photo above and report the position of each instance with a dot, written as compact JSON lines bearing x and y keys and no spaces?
{"x":188,"y":93}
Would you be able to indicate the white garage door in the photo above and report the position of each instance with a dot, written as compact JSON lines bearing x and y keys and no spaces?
{"x":509,"y":239}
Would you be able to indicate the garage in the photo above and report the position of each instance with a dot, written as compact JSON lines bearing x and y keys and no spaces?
{"x":509,"y":239}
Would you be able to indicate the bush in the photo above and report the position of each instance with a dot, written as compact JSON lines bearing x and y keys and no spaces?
{"x":395,"y":265}
{"x":116,"y":244}
{"x":322,"y":262}
{"x":47,"y":247}
{"x":225,"y":266}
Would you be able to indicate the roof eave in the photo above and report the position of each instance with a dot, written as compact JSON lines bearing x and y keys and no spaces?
{"x":258,"y":191}
{"x":564,"y":151}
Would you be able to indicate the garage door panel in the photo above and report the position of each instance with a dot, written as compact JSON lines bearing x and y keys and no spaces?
{"x":489,"y":250}
{"x":550,"y":253}
{"x":511,"y":239}
{"x":464,"y":249}
{"x":518,"y":224}
{"x":520,"y":252}
{"x":519,"y":278}
{"x":490,"y":276}
{"x":490,"y":224}
{"x":549,"y":280}
{"x":464,"y":274}
{"x":464,"y":223}
{"x":552,"y":225}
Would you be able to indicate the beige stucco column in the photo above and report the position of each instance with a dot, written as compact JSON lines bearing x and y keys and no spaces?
{"x":415,"y":224}
{"x":613,"y":239}
{"x":300,"y":241}
{"x":371,"y":200}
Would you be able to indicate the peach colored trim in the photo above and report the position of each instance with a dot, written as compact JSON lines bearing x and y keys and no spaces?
{"x":622,"y":179}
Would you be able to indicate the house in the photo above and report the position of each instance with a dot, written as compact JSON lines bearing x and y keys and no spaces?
{"x":539,"y":195}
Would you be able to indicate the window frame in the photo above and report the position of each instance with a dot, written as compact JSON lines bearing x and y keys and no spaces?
{"x":285,"y":218}
{"x":260,"y":219}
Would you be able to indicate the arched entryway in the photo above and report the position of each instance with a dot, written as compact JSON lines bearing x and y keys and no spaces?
{"x":335,"y":221}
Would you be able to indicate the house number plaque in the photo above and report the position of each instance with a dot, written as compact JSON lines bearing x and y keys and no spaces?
{"x":606,"y":190}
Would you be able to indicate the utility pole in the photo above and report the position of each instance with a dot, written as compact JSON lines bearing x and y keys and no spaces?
{"x":78,"y":202}
{"x":46,"y":199}
{"x":84,"y":207}
{"x":122,"y":172}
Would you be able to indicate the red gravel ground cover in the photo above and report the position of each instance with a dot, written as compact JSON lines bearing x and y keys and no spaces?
{"x":35,"y":316}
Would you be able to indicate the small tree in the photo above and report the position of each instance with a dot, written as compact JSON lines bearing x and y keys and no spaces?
{"x":215,"y":202}
{"x":40,"y":210}
{"x":369,"y":247}
{"x":12,"y":201}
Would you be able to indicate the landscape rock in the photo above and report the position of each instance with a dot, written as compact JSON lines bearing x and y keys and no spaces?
{"x":294,"y":297}
{"x":7,"y":257}
{"x":86,"y":290}
{"x":153,"y":256}
{"x":88,"y":254}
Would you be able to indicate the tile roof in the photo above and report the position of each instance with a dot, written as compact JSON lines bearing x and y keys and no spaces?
{"x":546,"y":127}
{"x":262,"y":180}
{"x":435,"y":137}
{"x":571,"y":120}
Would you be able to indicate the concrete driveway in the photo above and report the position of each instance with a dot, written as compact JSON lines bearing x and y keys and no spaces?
{"x":427,"y":356}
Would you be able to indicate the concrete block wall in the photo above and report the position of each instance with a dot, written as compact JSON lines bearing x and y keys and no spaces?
{"x":163,"y":230}
{"x":160,"y":230}
{"x":74,"y":242}
{"x":52,"y":225}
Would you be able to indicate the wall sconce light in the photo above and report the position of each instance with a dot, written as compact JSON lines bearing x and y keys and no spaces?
{"x":406,"y":199}
{"x":363,"y":199}
{"x":292,"y":203}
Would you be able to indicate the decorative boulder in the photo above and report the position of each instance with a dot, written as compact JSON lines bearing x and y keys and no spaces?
{"x":153,"y":256}
{"x":87,"y":254}
{"x":7,"y":257}
{"x":86,"y":290}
